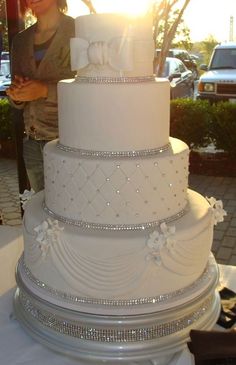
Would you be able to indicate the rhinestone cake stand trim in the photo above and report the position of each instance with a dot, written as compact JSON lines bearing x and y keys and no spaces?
{"x":70,"y":298}
{"x":115,"y":80}
{"x":114,"y":154}
{"x":113,"y":227}
{"x":78,"y":330}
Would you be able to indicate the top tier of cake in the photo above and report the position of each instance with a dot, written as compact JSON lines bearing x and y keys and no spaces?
{"x":114,"y":103}
{"x":112,"y":45}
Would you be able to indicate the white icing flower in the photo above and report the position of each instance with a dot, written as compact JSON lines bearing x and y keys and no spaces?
{"x":25,"y":197}
{"x":48,"y":232}
{"x":158,"y":240}
{"x":217,"y":207}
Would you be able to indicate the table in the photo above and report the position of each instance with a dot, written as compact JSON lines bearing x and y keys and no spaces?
{"x":16,"y":347}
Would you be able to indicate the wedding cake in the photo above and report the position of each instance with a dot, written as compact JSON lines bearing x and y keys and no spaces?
{"x":116,"y":263}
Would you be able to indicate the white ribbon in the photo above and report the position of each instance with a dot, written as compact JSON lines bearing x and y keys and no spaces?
{"x":117,"y":53}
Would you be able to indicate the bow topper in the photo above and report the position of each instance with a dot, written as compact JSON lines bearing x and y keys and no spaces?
{"x":117,"y":53}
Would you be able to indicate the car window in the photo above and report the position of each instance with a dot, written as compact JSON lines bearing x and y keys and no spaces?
{"x":224,"y":58}
{"x":182,"y":68}
{"x":174,"y":67}
{"x":5,"y":68}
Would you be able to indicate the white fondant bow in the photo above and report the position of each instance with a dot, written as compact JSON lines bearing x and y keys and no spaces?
{"x":118,"y":53}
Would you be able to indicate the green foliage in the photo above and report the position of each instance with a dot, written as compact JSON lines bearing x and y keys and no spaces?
{"x":223,"y":126}
{"x":182,"y":38}
{"x":205,"y":48}
{"x":189,"y":121}
{"x":6,"y":127}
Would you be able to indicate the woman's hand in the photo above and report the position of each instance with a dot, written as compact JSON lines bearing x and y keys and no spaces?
{"x":27,"y":90}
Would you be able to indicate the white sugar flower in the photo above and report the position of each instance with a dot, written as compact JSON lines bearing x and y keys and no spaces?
{"x":41,"y":231}
{"x":25,"y":197}
{"x":48,"y":232}
{"x":167,"y":230}
{"x":159,"y":240}
{"x":217,"y":207}
{"x":156,"y":240}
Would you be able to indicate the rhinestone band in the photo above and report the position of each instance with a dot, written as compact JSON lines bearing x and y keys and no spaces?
{"x":115,"y":80}
{"x":70,"y":298}
{"x":113,"y":227}
{"x":114,"y":154}
{"x":110,"y":335}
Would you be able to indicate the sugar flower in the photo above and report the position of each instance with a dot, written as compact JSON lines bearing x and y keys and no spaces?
{"x":217,"y":207}
{"x":163,"y":238}
{"x":25,"y":197}
{"x":47,"y":233}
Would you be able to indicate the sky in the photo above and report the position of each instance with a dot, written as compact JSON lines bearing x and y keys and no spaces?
{"x":203,"y":17}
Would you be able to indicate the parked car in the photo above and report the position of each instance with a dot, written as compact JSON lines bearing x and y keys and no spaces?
{"x":5,"y":55}
{"x":5,"y":76}
{"x":218,"y":83}
{"x":186,"y":58}
{"x":181,"y":79}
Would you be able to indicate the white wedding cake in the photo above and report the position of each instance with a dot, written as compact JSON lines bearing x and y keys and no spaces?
{"x":117,"y":263}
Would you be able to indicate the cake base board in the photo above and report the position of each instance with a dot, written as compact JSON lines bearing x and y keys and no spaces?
{"x":154,"y":337}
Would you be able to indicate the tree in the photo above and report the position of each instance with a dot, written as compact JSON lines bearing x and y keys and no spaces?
{"x":182,"y":38}
{"x":3,"y":22}
{"x":207,"y":47}
{"x":167,"y":18}
{"x":89,"y":4}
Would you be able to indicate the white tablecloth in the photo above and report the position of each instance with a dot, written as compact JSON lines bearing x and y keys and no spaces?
{"x":16,"y":347}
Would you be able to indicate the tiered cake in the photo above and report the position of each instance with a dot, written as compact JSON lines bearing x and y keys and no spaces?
{"x":116,"y":264}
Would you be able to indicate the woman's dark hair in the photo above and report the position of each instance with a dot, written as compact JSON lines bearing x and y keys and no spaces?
{"x":61,"y":4}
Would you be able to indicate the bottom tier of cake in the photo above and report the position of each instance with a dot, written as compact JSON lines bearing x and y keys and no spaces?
{"x":148,"y":338}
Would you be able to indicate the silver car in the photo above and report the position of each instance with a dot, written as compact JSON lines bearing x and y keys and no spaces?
{"x":5,"y":76}
{"x":181,"y":79}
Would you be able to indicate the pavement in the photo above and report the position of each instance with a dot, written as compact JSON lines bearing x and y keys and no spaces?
{"x":223,"y":188}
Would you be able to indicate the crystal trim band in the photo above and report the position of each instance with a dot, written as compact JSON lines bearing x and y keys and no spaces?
{"x":115,"y":80}
{"x":111,"y":335}
{"x":114,"y":154}
{"x":113,"y":227}
{"x":70,"y":298}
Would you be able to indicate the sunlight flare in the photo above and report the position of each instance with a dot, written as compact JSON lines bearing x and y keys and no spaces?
{"x":130,"y":7}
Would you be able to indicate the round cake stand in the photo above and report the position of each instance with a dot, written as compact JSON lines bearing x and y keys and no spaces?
{"x":150,"y":338}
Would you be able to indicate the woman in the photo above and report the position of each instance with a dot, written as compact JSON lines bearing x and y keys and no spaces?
{"x":40,"y":58}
